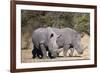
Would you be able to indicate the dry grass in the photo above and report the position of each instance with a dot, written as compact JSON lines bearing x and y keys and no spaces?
{"x":26,"y":54}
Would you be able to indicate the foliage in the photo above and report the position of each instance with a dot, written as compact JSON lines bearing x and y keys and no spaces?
{"x":31,"y":20}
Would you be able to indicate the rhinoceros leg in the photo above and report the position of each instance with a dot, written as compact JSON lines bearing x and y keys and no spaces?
{"x":66,"y":48}
{"x":34,"y":52}
{"x":50,"y":55}
{"x":71,"y":52}
{"x":43,"y":50}
{"x":39,"y":53}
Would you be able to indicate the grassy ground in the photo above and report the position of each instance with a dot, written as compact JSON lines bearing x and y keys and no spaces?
{"x":26,"y":54}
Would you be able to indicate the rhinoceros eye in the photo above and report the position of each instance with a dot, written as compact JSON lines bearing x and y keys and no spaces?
{"x":51,"y":35}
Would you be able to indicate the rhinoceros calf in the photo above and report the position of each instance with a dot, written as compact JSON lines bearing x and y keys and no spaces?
{"x":44,"y":39}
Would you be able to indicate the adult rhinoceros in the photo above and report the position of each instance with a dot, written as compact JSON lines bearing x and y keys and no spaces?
{"x":68,"y":39}
{"x":44,"y":39}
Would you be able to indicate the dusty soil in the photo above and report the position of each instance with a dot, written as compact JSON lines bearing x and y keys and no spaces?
{"x":26,"y":54}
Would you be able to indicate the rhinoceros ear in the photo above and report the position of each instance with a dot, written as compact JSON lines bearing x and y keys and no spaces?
{"x":58,"y":36}
{"x":51,"y":35}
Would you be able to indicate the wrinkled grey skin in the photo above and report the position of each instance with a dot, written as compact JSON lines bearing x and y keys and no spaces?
{"x":45,"y":39}
{"x":69,"y":39}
